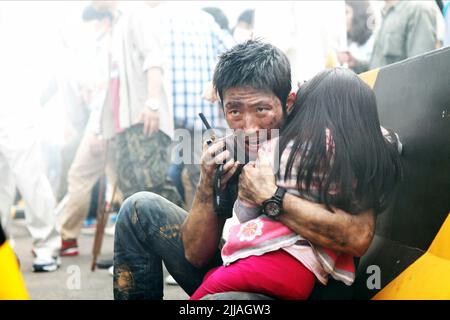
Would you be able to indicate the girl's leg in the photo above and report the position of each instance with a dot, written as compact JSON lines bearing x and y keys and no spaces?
{"x":276,"y":274}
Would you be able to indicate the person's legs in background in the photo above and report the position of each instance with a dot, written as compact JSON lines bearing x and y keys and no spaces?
{"x":22,"y":157}
{"x":83,"y":174}
{"x":68,"y":153}
{"x":174,"y":174}
{"x":90,"y":223}
{"x":7,"y":193}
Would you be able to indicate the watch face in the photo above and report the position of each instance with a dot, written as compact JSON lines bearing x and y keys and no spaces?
{"x":272,"y":209}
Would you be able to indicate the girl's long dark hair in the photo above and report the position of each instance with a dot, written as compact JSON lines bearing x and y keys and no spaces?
{"x":363,"y":169}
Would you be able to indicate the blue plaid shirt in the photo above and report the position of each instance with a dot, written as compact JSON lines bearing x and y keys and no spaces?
{"x":195,"y":42}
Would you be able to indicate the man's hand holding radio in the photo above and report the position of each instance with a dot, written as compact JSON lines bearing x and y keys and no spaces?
{"x":213,"y":156}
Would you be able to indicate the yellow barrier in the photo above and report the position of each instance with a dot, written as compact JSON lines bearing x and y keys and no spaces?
{"x":370,"y":77}
{"x":12,"y":286}
{"x":428,"y":278}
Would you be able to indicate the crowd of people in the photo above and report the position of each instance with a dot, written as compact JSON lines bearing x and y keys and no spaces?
{"x":139,"y":84}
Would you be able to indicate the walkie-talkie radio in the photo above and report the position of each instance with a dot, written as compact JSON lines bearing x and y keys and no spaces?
{"x":224,"y":199}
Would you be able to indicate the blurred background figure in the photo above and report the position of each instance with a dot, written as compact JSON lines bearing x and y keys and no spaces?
{"x":310,"y":43}
{"x":21,"y":158}
{"x":90,"y":159}
{"x":408,"y":28}
{"x":219,"y":17}
{"x":446,"y":14}
{"x":243,"y":30}
{"x":137,"y":115}
{"x":438,"y":7}
{"x":193,"y":42}
{"x":360,"y":24}
{"x":79,"y":85}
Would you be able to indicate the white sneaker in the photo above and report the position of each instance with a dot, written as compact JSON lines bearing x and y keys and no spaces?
{"x":46,"y":263}
{"x":171,"y":281}
{"x":111,"y":270}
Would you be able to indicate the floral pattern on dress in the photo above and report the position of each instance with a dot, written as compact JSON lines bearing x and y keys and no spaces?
{"x":250,"y":230}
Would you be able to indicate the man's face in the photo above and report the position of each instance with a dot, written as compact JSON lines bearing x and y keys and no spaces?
{"x":251,"y":110}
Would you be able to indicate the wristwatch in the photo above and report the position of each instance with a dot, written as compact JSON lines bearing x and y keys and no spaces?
{"x":273,"y":207}
{"x":152,"y":104}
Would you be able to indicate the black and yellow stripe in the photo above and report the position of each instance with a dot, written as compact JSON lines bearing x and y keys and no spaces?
{"x":370,"y":77}
{"x":412,"y":241}
{"x":428,"y":278}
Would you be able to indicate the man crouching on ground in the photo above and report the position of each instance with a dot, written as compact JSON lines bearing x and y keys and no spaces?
{"x":253,"y":81}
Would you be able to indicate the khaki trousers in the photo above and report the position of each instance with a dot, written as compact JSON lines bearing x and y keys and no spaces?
{"x":84,"y":172}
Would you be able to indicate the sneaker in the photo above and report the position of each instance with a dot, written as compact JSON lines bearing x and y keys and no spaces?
{"x":171,"y":281}
{"x":113,"y":217}
{"x":89,"y":226}
{"x":46,"y":264}
{"x":69,"y":248}
{"x":104,"y":264}
{"x":111,"y":271}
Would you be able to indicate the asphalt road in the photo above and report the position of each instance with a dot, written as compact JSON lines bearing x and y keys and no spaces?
{"x":74,"y":279}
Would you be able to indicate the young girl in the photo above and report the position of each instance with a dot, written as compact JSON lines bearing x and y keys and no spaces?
{"x":332,"y":152}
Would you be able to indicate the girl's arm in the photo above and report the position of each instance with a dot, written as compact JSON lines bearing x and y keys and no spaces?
{"x":245,"y":212}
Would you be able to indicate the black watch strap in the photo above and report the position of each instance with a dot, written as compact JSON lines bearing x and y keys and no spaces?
{"x":279,"y":194}
{"x":277,"y":199}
